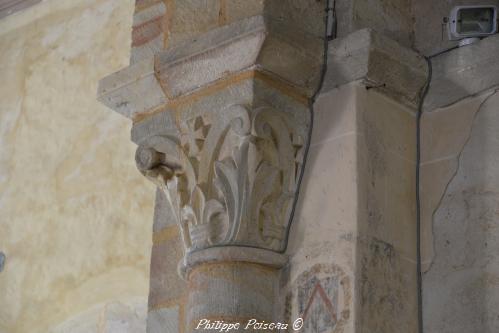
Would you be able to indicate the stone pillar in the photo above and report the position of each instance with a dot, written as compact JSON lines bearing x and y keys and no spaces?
{"x":353,"y":245}
{"x":218,"y":92}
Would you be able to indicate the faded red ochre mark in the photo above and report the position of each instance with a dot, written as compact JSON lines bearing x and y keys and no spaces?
{"x":147,"y":31}
{"x":322,"y":294}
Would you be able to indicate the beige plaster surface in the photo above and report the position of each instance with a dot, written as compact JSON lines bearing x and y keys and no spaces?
{"x":460,"y":289}
{"x":444,"y":132}
{"x":75,"y":214}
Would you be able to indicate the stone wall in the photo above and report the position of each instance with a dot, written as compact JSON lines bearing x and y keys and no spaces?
{"x":392,"y":18}
{"x":75,"y":215}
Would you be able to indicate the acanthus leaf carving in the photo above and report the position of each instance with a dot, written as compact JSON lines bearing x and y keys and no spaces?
{"x":230,"y":176}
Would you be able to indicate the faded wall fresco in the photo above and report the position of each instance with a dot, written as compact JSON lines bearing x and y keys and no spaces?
{"x":323,"y":297}
{"x":75,"y":214}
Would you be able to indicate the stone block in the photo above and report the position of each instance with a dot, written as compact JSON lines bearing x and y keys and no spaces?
{"x":148,"y":49}
{"x":166,"y":286}
{"x":387,"y":169}
{"x":335,"y":113}
{"x":232,"y":291}
{"x":399,"y":222}
{"x":283,"y":50}
{"x":326,"y":220}
{"x":191,"y":18}
{"x":240,"y":9}
{"x":387,"y":289}
{"x":306,"y":15}
{"x":218,"y":53}
{"x":132,"y":90}
{"x":163,"y":213}
{"x":387,"y":123}
{"x":391,"y":18}
{"x":143,"y":4}
{"x":148,"y":31}
{"x":445,"y":131}
{"x":380,"y":62}
{"x":161,"y":123}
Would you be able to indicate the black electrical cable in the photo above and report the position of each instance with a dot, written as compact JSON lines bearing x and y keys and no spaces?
{"x":327,"y":37}
{"x":422,"y":97}
{"x":419,"y":270}
{"x":442,"y":52}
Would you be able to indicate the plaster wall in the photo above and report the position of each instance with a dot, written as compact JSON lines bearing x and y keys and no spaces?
{"x":75,"y":214}
{"x":460,"y":182}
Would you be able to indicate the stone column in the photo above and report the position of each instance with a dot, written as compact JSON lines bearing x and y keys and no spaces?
{"x":233,"y":285}
{"x":221,"y":118}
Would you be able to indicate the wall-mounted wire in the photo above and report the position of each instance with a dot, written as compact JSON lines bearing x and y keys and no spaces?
{"x":424,"y":93}
{"x":419,"y":271}
{"x":329,"y":34}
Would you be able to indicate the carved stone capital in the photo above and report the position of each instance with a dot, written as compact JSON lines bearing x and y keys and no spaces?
{"x":222,"y":120}
{"x":230,"y":176}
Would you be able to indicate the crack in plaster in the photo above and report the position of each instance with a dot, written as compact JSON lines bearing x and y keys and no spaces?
{"x":457,"y":159}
